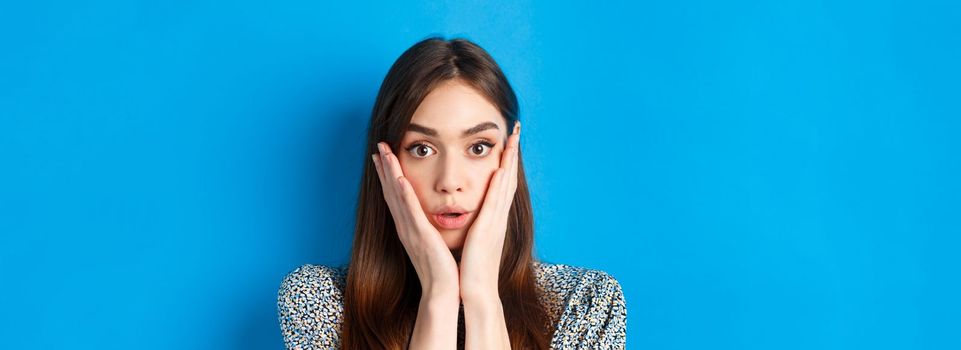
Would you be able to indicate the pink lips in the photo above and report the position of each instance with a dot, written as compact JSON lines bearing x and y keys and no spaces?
{"x":451,"y":223}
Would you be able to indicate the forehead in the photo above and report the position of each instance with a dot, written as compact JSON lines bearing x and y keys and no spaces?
{"x":453,"y":107}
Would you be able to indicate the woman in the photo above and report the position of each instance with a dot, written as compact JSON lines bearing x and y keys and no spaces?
{"x":441,"y":256}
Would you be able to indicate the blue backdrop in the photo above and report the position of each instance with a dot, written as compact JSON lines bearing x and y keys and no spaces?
{"x":757,"y":175}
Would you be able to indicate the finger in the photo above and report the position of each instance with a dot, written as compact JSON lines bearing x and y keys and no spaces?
{"x":510,"y":171}
{"x":404,"y":191}
{"x":508,"y":177}
{"x":394,"y":171}
{"x":515,"y":159}
{"x":390,"y":178}
{"x":515,"y":133}
{"x":413,"y":204}
{"x":386,"y":170}
{"x":492,"y":196}
{"x":380,"y":173}
{"x":505,"y":154}
{"x":384,"y":186}
{"x":389,"y":187}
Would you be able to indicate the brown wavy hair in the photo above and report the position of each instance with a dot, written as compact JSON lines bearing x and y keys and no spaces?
{"x":383,"y":291}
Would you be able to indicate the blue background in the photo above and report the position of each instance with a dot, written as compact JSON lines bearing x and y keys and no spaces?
{"x":757,"y":175}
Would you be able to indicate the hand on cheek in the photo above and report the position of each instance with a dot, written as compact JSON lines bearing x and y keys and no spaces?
{"x":433,"y":262}
{"x":481,"y":254}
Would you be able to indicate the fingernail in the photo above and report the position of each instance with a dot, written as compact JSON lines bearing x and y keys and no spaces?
{"x":380,"y":148}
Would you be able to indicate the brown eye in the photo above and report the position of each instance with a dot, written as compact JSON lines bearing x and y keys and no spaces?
{"x":419,"y":150}
{"x":481,"y":149}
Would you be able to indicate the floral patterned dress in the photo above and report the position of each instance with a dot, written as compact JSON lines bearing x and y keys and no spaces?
{"x":586,"y":306}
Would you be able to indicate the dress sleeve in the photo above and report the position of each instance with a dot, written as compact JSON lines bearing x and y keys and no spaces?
{"x":308,"y":309}
{"x":610,"y":310}
{"x":595,"y":316}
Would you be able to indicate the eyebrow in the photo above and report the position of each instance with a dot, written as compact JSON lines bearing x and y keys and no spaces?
{"x":431,"y":132}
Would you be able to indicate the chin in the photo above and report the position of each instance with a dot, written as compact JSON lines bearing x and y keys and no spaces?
{"x":454,"y":238}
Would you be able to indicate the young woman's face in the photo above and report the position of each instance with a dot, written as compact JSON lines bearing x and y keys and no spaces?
{"x":449,"y":154}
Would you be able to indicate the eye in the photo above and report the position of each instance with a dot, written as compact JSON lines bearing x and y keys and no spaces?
{"x":478,"y":149}
{"x":419,"y":150}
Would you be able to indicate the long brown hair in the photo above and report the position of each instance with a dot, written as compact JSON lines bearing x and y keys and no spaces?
{"x":383,"y":291}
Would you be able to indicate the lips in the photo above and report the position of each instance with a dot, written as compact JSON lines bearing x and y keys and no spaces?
{"x":451,"y":217}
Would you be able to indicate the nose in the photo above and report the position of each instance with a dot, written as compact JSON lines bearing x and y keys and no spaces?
{"x":450,"y":179}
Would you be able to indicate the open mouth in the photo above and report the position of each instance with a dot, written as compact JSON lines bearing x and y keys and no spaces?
{"x":451,"y":221}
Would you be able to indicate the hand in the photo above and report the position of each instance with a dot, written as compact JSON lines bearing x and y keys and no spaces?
{"x":433,"y":261}
{"x":481,"y":254}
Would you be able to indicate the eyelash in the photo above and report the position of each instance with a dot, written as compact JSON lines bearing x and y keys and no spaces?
{"x":482,"y":142}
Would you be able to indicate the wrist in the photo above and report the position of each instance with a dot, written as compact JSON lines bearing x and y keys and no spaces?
{"x":439,"y":293}
{"x":438,"y":307}
{"x":480,"y":296}
{"x":436,"y":324}
{"x":486,"y":316}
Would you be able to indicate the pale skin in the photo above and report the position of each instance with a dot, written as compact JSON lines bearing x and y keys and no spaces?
{"x":441,"y":164}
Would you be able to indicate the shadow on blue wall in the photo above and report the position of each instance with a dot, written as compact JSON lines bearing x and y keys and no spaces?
{"x":321,"y":201}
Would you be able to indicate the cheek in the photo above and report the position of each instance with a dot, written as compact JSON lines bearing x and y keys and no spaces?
{"x":416,"y":175}
{"x":485,"y":171}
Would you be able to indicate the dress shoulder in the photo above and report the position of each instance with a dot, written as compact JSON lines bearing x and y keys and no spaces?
{"x":310,"y":306}
{"x":586,"y":305}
